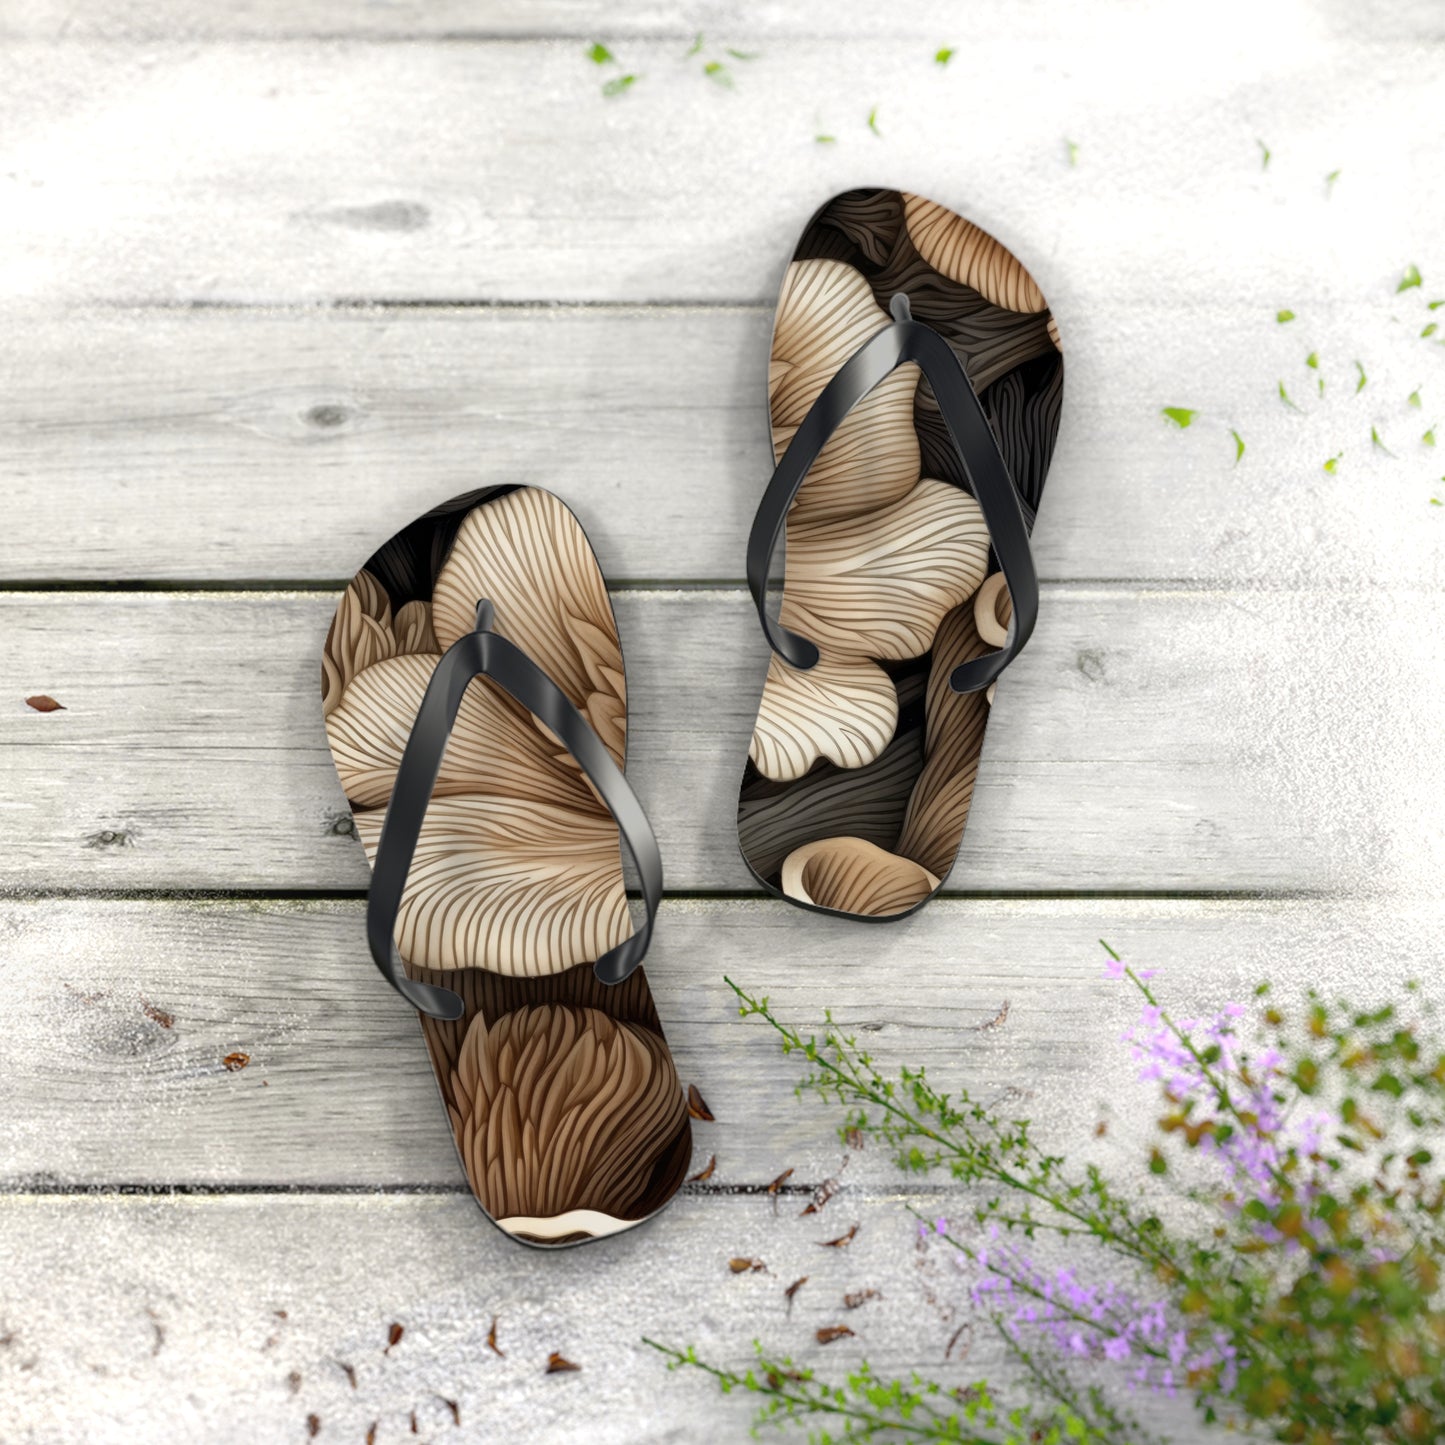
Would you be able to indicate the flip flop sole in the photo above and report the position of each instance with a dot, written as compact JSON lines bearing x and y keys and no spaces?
{"x":861,"y":770}
{"x":561,"y":1093}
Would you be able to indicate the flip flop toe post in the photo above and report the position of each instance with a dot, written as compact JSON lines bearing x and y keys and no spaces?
{"x":476,"y":707}
{"x":915,"y":386}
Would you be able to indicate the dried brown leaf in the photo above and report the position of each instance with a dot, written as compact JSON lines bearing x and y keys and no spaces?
{"x":739,"y":1265}
{"x":294,"y":1381}
{"x":157,"y":1015}
{"x":414,"y":1430}
{"x":349,"y":1371}
{"x":965,"y":1328}
{"x":705,"y":1172}
{"x":393,"y":1337}
{"x":842,"y":1241}
{"x":777,"y":1184}
{"x":371,"y":1433}
{"x":559,"y":1365}
{"x":854,"y":1136}
{"x":697,"y":1105}
{"x":492,"y":1344}
{"x":996,"y":1022}
{"x":313,"y":1425}
{"x":41,"y":703}
{"x":823,"y":1193}
{"x":829,"y":1333}
{"x":859,"y":1297}
{"x":1100,"y":1129}
{"x":453,"y":1407}
{"x":234,"y":1063}
{"x":792,"y":1289}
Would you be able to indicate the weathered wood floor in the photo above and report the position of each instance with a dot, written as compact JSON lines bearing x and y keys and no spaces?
{"x":276,"y":277}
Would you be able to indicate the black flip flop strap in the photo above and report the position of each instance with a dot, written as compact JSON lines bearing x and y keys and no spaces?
{"x":906,"y":340}
{"x":484,"y":653}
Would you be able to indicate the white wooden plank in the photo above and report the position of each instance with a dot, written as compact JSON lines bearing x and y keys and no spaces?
{"x":171,"y":1330}
{"x":216,"y":445}
{"x":1006,"y":997}
{"x":298,"y":171}
{"x":1145,"y":740}
{"x":726,"y":21}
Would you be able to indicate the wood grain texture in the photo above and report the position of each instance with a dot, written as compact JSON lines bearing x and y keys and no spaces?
{"x":1145,"y":740}
{"x":120,"y":1013}
{"x":257,"y":172}
{"x":216,"y":445}
{"x":173,"y":1328}
{"x":934,"y":21}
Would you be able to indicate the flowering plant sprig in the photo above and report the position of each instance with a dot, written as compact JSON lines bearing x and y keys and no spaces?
{"x":1300,"y":1295}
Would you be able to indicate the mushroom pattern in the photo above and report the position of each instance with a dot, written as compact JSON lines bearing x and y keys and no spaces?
{"x":563,"y":1098}
{"x":876,"y":556}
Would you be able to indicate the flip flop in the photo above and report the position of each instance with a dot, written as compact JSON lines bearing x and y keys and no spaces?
{"x":476,"y":708}
{"x":915,"y":386}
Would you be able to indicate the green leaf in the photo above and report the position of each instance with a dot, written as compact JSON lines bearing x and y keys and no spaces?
{"x":1285,"y":398}
{"x":825,"y":140}
{"x":1181,"y":416}
{"x":1238,"y":446}
{"x":744,"y":54}
{"x":618,"y":84}
{"x":873,"y":121}
{"x":1414,"y":398}
{"x":1333,"y":465}
{"x":1436,"y":305}
{"x":1360,"y":384}
{"x":1431,"y":329}
{"x":943,"y":55}
{"x":1313,"y":361}
{"x":1429,"y":437}
{"x":600,"y":54}
{"x":716,"y":71}
{"x":1263,"y":154}
{"x":1330,"y":183}
{"x":1379,"y":441}
{"x":694,"y":47}
{"x":1072,"y":148}
{"x":1436,"y":502}
{"x":1409,"y":279}
{"x":1158,"y":1164}
{"x":1283,"y":316}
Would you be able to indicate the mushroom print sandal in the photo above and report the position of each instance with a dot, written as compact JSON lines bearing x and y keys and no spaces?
{"x":915,"y":386}
{"x":476,"y":707}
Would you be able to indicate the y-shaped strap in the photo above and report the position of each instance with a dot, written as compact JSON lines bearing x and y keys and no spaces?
{"x":485,"y":653}
{"x":983,"y":464}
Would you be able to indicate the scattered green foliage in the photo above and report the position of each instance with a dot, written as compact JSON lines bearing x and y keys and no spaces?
{"x":1377,"y":440}
{"x":1238,"y":446}
{"x":1430,"y":329}
{"x":1363,"y":379}
{"x":1330,"y":183}
{"x":1284,"y":396}
{"x":1303,"y":1298}
{"x":1181,"y":416}
{"x":717,"y":72}
{"x":943,"y":55}
{"x":744,"y":55}
{"x":1071,"y":149}
{"x":825,"y":140}
{"x":873,"y":121}
{"x":1264,"y":155}
{"x":694,"y":48}
{"x":600,"y":54}
{"x":619,"y":84}
{"x":1410,"y":278}
{"x":1429,"y":438}
{"x":1414,"y":399}
{"x":1333,"y":465}
{"x":1282,"y":317}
